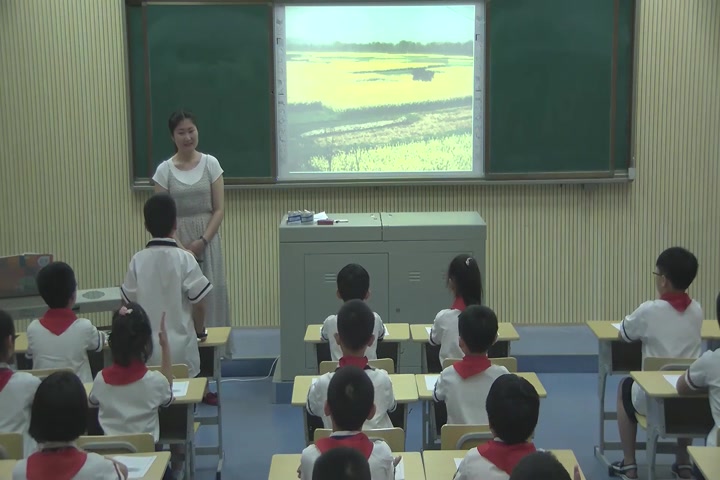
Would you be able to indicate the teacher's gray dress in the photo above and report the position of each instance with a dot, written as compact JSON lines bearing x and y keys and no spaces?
{"x":194,"y":209}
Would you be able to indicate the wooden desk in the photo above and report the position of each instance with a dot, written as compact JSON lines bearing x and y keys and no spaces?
{"x":404,"y":390}
{"x":420,"y":333}
{"x":618,"y":357}
{"x":389,"y":347}
{"x":671,"y":415}
{"x":425,"y":394}
{"x":707,"y":460}
{"x":284,"y":467}
{"x":156,"y":471}
{"x":440,"y":464}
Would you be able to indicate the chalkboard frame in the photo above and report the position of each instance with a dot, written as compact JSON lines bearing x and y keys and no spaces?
{"x":626,"y":170}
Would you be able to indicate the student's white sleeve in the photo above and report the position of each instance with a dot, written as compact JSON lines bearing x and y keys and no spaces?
{"x":195,"y":284}
{"x":698,"y":375}
{"x":389,"y":394}
{"x":379,"y":328}
{"x":436,"y":333}
{"x":317,"y":396}
{"x":129,"y":287}
{"x":386,"y":462}
{"x":94,"y":338}
{"x":325,"y":330}
{"x":162,"y":391}
{"x":92,"y":397}
{"x":633,"y":327}
{"x":161,"y":175}
{"x":307,"y":462}
{"x":440,"y":391}
{"x":214,"y":168}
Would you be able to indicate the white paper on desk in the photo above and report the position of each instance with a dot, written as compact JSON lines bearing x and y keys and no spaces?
{"x":400,"y":470}
{"x":137,"y":466}
{"x":320,"y":216}
{"x":430,"y":381}
{"x":672,"y":379}
{"x":429,"y":329}
{"x":180,"y":388}
{"x":457,"y":462}
{"x":617,"y":325}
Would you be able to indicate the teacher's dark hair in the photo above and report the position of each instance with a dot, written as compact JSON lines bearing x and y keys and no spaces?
{"x":179,"y":116}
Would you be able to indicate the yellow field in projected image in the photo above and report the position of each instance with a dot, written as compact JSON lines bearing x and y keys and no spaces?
{"x":379,"y":112}
{"x":348,"y":80}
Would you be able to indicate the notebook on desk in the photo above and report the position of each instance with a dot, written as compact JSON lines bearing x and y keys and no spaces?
{"x":18,"y":272}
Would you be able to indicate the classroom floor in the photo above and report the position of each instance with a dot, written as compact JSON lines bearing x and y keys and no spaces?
{"x":255,"y":428}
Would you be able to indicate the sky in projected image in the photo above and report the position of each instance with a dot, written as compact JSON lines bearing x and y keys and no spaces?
{"x":385,"y":89}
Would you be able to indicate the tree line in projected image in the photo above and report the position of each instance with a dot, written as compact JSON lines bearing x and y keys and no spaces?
{"x":380,"y":107}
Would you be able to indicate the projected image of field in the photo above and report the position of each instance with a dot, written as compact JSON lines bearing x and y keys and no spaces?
{"x":392,"y":100}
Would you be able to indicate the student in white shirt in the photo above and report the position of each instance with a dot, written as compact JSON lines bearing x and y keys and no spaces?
{"x":703,"y":376}
{"x":513,"y":408}
{"x":341,"y":463}
{"x":465,"y":283}
{"x":353,"y":283}
{"x":349,"y":404}
{"x":667,"y":327}
{"x":59,"y":417}
{"x":60,"y":339}
{"x":166,"y":279}
{"x":355,"y":333}
{"x":464,"y":386}
{"x":542,"y":466}
{"x":17,"y":389}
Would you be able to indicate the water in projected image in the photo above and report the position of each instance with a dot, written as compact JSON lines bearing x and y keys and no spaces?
{"x":380,"y":88}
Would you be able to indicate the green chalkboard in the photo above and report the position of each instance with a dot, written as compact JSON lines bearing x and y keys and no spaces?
{"x":558,"y":87}
{"x":215,"y":60}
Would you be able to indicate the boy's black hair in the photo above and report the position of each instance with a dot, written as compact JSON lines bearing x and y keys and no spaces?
{"x":7,"y":329}
{"x":679,"y":266}
{"x":465,"y":275}
{"x":160,"y":215}
{"x":56,"y":284}
{"x":355,"y":324}
{"x":350,"y":398}
{"x":341,"y":463}
{"x":478,"y":327}
{"x":60,"y":409}
{"x":539,"y":466}
{"x":353,"y":282}
{"x":131,"y":336}
{"x":513,"y":407}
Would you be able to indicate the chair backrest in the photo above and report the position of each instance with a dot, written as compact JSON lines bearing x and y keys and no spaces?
{"x":464,"y":437}
{"x":117,"y":444}
{"x":12,"y":445}
{"x":46,"y":372}
{"x":178,"y":371}
{"x":384,"y":363}
{"x":653,"y":364}
{"x":394,"y":437}
{"x":508,"y":362}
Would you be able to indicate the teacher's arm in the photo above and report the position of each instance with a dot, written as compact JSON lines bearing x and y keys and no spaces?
{"x":218,"y":206}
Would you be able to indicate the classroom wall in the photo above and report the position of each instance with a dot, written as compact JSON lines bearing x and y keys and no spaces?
{"x":555,"y":254}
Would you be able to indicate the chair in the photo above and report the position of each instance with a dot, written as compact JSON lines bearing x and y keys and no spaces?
{"x":12,"y":445}
{"x":508,"y":362}
{"x":178,"y":371}
{"x":394,"y":437}
{"x":464,"y":437}
{"x":117,"y":444}
{"x":46,"y":372}
{"x":384,"y":363}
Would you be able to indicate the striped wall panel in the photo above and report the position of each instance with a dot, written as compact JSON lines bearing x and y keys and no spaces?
{"x":556,"y":254}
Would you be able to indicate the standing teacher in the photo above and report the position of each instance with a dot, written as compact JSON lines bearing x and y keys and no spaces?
{"x":195,"y":181}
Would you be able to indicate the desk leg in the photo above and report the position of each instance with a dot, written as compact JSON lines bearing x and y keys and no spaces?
{"x":602,"y":385}
{"x":652,"y":444}
{"x":189,"y":444}
{"x":218,"y":382}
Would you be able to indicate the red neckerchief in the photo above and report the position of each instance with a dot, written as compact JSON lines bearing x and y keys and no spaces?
{"x":679,"y":301}
{"x":505,"y":456}
{"x":472,"y":365}
{"x":57,"y":320}
{"x":118,"y":375}
{"x":458,"y":304}
{"x":5,"y":375}
{"x":360,"y":362}
{"x":60,"y":464}
{"x":358,"y":441}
